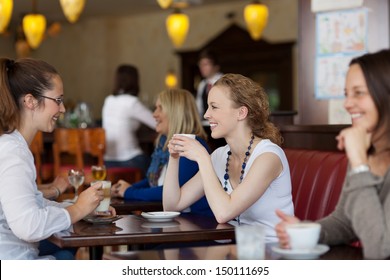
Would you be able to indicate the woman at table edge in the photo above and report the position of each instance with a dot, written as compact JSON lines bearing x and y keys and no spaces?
{"x":363,"y":210}
{"x":31,"y":99}
{"x":244,"y":181}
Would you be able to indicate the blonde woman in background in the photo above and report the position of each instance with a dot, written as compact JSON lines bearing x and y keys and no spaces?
{"x":175,"y":112}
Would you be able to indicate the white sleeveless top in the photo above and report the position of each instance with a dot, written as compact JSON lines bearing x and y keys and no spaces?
{"x":277,"y":196}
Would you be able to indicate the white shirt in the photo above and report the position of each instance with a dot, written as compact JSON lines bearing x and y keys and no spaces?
{"x":25,"y":216}
{"x":277,"y":196}
{"x":199,"y":94}
{"x":122,"y":116}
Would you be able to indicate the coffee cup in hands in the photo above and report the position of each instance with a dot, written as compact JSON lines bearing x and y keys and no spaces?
{"x":104,"y":205}
{"x":303,"y":235}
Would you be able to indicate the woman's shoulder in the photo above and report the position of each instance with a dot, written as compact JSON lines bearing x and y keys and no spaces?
{"x":267,"y":145}
{"x":12,"y":144}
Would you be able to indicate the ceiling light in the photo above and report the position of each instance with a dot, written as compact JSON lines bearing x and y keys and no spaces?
{"x":164,"y":4}
{"x":256,"y":17}
{"x":72,"y":9}
{"x":170,"y":79}
{"x":177,"y":26}
{"x":34,"y":26}
{"x":6,"y":7}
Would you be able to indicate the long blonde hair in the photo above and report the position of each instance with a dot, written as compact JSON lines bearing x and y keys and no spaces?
{"x":183,"y":116}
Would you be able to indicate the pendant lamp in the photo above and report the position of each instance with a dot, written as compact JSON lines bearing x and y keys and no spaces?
{"x":34,"y":26}
{"x":177,"y":25}
{"x":164,"y":4}
{"x":170,"y":79}
{"x":256,"y":17}
{"x":72,"y":9}
{"x":6,"y":7}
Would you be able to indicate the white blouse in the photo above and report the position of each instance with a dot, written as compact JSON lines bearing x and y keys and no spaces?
{"x":122,"y":116}
{"x":25,"y":216}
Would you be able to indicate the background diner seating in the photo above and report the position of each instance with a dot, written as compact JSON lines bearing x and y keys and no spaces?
{"x":44,"y":169}
{"x":317,"y":168}
{"x":67,"y":151}
{"x":83,"y":147}
{"x":317,"y":177}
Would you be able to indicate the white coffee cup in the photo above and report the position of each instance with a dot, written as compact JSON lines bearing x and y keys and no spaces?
{"x":105,"y":203}
{"x":250,"y":240}
{"x":304,"y":235}
{"x":187,"y":135}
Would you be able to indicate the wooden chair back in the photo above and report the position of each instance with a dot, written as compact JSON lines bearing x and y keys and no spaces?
{"x":67,"y":149}
{"x":94,"y":143}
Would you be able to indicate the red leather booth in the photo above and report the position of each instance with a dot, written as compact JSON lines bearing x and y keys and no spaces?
{"x":317,"y":178}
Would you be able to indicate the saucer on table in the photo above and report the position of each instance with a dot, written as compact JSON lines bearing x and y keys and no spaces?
{"x":302,"y":254}
{"x":160,"y":216}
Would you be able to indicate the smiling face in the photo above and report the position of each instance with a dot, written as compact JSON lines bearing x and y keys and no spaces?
{"x":161,"y":118}
{"x":221,"y":113}
{"x":50,"y":110}
{"x":359,"y":102}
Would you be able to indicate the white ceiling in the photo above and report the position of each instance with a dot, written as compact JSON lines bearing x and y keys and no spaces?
{"x":53,"y":12}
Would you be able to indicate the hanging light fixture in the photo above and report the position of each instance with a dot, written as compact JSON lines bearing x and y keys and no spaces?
{"x":164,"y":4}
{"x":72,"y":9}
{"x":171,"y":79}
{"x":6,"y":7}
{"x":256,"y":17}
{"x":177,"y":26}
{"x":34,"y":26}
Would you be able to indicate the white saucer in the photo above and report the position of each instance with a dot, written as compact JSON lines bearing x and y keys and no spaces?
{"x":160,"y":216}
{"x":302,"y":254}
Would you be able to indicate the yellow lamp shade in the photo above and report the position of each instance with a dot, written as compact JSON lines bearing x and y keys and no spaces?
{"x":72,"y":9}
{"x":164,"y":4}
{"x":256,"y":17}
{"x":34,"y":26}
{"x":6,"y":7}
{"x":170,"y":80}
{"x":177,"y":26}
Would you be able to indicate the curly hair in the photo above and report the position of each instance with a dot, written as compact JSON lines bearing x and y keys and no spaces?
{"x":245,"y":92}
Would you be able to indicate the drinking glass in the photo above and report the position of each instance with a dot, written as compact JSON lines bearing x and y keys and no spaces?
{"x":76,"y":179}
{"x":99,"y":172}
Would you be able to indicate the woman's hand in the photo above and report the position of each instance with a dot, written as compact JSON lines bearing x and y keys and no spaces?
{"x":61,"y":184}
{"x":118,"y":189}
{"x":87,"y":202}
{"x":355,"y":141}
{"x":186,"y":147}
{"x":284,"y":239}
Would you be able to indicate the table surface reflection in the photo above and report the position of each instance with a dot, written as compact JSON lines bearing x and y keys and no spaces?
{"x":125,"y":207}
{"x":134,"y":229}
{"x":224,"y":252}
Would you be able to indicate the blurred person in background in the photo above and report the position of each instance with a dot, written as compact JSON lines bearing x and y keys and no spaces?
{"x":122,"y":115}
{"x":210,"y":71}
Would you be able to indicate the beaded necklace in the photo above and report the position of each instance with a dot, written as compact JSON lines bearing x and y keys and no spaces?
{"x":226,"y":176}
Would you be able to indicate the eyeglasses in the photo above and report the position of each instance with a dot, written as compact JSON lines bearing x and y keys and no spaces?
{"x":58,"y":100}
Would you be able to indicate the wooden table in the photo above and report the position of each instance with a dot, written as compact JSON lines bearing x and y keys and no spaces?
{"x":125,"y":207}
{"x":134,"y":229}
{"x":224,"y":252}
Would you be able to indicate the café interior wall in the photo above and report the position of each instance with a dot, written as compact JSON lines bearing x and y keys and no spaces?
{"x":86,"y":53}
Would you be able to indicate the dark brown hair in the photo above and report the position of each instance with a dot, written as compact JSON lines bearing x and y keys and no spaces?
{"x":376,"y":71}
{"x":18,"y":78}
{"x":245,"y":92}
{"x":126,"y":80}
